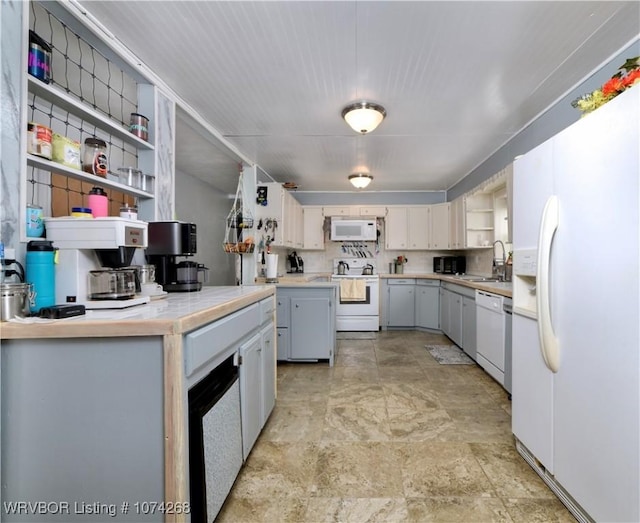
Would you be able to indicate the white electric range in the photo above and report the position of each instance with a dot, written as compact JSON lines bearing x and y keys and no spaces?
{"x":361,"y":315}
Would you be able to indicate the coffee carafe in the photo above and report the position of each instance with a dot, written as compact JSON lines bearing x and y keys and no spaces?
{"x":168,"y":241}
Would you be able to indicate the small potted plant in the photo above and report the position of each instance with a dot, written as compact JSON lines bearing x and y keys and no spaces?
{"x":400,"y":261}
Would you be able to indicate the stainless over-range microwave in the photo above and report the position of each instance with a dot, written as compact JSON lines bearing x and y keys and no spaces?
{"x":353,"y":230}
{"x":450,"y":264}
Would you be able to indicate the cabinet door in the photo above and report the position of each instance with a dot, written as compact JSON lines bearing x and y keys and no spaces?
{"x":427,"y":306}
{"x":455,"y":318}
{"x":282,"y":310}
{"x":250,"y":392}
{"x":418,"y":232}
{"x":282,"y":341}
{"x":469,"y":326}
{"x":373,"y":211}
{"x":440,"y":226}
{"x":311,"y":336}
{"x":457,"y":223}
{"x":445,"y":321}
{"x":313,"y":228}
{"x":396,"y":228}
{"x":268,"y":367}
{"x":401,"y":306}
{"x":336,"y":210}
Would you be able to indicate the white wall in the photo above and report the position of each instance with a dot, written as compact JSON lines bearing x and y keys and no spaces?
{"x":200,"y":203}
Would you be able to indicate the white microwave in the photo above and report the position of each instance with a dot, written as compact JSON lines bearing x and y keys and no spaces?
{"x":353,"y":230}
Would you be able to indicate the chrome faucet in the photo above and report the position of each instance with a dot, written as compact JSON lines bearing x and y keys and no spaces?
{"x":499,"y":268}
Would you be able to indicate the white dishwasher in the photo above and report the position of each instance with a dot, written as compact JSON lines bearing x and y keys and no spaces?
{"x":491,"y":334}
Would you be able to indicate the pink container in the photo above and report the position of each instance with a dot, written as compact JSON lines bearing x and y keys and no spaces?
{"x":98,"y":202}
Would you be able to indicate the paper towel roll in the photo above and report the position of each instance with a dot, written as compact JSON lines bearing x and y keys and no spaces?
{"x":272,"y":266}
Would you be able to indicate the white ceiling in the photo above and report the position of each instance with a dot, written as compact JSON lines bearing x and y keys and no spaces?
{"x":458,"y":79}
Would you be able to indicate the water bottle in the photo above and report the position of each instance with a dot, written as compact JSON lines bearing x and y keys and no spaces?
{"x":40,"y":273}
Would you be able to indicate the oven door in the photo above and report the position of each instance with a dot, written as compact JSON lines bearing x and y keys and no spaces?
{"x":368,"y":307}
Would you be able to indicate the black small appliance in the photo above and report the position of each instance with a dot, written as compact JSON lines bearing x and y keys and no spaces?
{"x":167,"y":241}
{"x":295,"y":263}
{"x":449,"y":264}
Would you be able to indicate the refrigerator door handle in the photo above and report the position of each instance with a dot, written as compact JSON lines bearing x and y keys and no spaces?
{"x":548,"y":341}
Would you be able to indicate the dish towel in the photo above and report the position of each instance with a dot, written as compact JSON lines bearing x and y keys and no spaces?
{"x":353,"y":290}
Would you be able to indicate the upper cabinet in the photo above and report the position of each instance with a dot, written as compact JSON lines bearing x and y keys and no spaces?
{"x":280,"y":220}
{"x":355,"y":211}
{"x":407,"y":228}
{"x":457,"y":223}
{"x":313,"y":225}
{"x":479,"y":219}
{"x":440,"y":226}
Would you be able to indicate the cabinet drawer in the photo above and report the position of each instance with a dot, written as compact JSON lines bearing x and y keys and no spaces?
{"x":428,"y":283}
{"x":267,"y":307}
{"x":403,"y":281}
{"x":207,"y":344}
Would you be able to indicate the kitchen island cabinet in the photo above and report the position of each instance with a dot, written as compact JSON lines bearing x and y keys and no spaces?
{"x":94,"y":409}
{"x":306,"y":316}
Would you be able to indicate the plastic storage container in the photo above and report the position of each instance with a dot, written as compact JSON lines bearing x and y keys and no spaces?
{"x":98,"y":202}
{"x":40,"y":273}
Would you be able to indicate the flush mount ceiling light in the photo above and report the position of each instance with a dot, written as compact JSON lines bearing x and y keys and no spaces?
{"x":360,"y":180}
{"x":364,"y":117}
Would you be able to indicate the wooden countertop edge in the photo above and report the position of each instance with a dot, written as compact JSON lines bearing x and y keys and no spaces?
{"x":130,"y":328}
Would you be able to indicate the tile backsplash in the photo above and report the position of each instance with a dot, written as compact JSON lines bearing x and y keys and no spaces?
{"x":479,"y":261}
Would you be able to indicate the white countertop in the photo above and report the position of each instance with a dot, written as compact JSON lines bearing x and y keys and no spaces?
{"x":176,"y":313}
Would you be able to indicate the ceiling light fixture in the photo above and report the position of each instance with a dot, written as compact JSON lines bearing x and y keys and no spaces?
{"x":364,"y":117}
{"x":360,"y":180}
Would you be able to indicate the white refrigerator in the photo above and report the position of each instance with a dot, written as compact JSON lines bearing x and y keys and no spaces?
{"x":576,"y":312}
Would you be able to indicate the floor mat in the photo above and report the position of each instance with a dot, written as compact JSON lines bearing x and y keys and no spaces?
{"x":449,"y":355}
{"x":348,"y":335}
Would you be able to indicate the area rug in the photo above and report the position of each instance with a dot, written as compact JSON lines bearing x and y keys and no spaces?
{"x":449,"y":355}
{"x":349,"y":335}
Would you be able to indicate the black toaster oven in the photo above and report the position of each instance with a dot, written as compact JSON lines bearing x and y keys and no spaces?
{"x":449,"y":264}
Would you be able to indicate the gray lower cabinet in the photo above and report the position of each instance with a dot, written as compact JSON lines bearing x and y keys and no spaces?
{"x":455,"y":318}
{"x":401,"y":309}
{"x":306,"y":323}
{"x":445,"y":322}
{"x":469,"y":326}
{"x":282,"y":342}
{"x":458,"y":316}
{"x":268,"y":368}
{"x":428,"y":304}
{"x":251,"y":392}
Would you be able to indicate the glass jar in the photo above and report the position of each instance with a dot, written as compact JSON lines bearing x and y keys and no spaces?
{"x":94,"y":160}
{"x":130,"y":176}
{"x":130,"y":213}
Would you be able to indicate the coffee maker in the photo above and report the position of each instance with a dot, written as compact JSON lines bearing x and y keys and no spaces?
{"x":295,"y":263}
{"x":94,"y":259}
{"x":168,"y":241}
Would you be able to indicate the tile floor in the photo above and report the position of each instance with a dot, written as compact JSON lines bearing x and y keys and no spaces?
{"x":388,"y":435}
